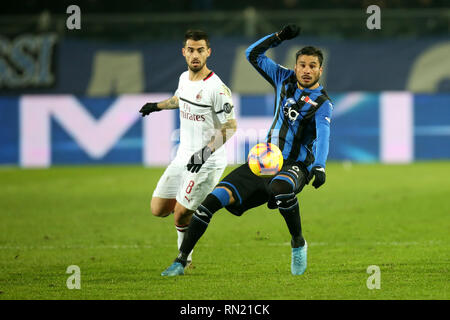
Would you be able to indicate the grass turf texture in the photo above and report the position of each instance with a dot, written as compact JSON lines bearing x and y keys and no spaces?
{"x":98,"y":218}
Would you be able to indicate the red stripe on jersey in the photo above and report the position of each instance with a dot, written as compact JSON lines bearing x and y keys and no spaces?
{"x":208,"y":76}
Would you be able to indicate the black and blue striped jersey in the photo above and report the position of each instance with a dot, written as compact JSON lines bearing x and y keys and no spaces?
{"x":301,"y":123}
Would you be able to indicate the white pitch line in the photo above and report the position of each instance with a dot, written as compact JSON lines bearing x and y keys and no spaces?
{"x":276,"y":244}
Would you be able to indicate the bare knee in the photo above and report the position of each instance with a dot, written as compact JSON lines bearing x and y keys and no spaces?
{"x":159,"y":213}
{"x":162,"y":207}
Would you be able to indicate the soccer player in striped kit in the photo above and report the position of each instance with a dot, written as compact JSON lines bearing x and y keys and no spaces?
{"x":300,"y":128}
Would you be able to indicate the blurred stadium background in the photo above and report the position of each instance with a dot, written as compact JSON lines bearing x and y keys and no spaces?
{"x":390,"y":86}
{"x":69,"y":101}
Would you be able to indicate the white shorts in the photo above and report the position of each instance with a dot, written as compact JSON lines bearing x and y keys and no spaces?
{"x":189,"y":189}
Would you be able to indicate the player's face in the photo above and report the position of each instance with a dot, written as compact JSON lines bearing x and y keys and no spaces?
{"x":196,"y":54}
{"x":308,"y":71}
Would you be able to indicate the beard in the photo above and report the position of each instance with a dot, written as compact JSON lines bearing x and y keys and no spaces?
{"x":196,"y":68}
{"x":309,"y":85}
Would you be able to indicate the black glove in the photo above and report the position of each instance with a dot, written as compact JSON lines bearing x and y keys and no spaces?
{"x":319,"y":173}
{"x":290,"y":31}
{"x":198,"y":159}
{"x":149,"y":108}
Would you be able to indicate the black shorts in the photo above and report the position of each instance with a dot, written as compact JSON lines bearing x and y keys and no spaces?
{"x":250,"y":191}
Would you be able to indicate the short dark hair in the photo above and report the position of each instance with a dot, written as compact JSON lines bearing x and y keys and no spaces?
{"x":310,"y":51}
{"x":196,"y":35}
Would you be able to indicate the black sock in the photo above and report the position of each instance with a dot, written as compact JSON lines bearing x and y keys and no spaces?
{"x":197,"y":226}
{"x":292,"y":218}
{"x":289,"y":209}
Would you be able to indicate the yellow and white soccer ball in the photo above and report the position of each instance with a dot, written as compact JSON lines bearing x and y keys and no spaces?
{"x":265,"y":159}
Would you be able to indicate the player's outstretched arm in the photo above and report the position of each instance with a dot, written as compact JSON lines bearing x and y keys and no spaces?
{"x":288,"y":32}
{"x":255,"y":54}
{"x":199,"y":158}
{"x":150,"y":107}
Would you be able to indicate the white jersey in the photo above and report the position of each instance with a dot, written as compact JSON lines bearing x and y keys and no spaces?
{"x":204,"y":106}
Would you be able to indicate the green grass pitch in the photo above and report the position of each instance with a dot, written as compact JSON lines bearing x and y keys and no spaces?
{"x":396,"y":217}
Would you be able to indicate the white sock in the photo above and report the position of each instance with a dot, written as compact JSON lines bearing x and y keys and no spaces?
{"x":181,"y":230}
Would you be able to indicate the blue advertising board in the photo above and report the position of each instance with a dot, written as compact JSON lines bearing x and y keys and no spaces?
{"x":45,"y":130}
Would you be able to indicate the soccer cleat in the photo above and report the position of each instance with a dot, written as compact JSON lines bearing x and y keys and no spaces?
{"x":298,"y":264}
{"x":175,"y":269}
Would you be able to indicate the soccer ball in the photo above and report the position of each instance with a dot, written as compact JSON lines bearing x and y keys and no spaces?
{"x":265,"y":159}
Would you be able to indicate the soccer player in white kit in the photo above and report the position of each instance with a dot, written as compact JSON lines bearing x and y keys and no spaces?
{"x":207,"y":121}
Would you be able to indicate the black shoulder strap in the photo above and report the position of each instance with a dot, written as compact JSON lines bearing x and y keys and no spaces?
{"x":325,"y":94}
{"x":319,"y":102}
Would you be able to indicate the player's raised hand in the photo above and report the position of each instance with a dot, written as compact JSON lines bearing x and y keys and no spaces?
{"x":319,"y":173}
{"x":198,"y":159}
{"x":289,"y":32}
{"x":149,"y":108}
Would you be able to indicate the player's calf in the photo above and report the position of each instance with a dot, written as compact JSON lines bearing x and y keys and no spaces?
{"x":182,"y":215}
{"x":282,"y":189}
{"x":199,"y":223}
{"x":201,"y":218}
